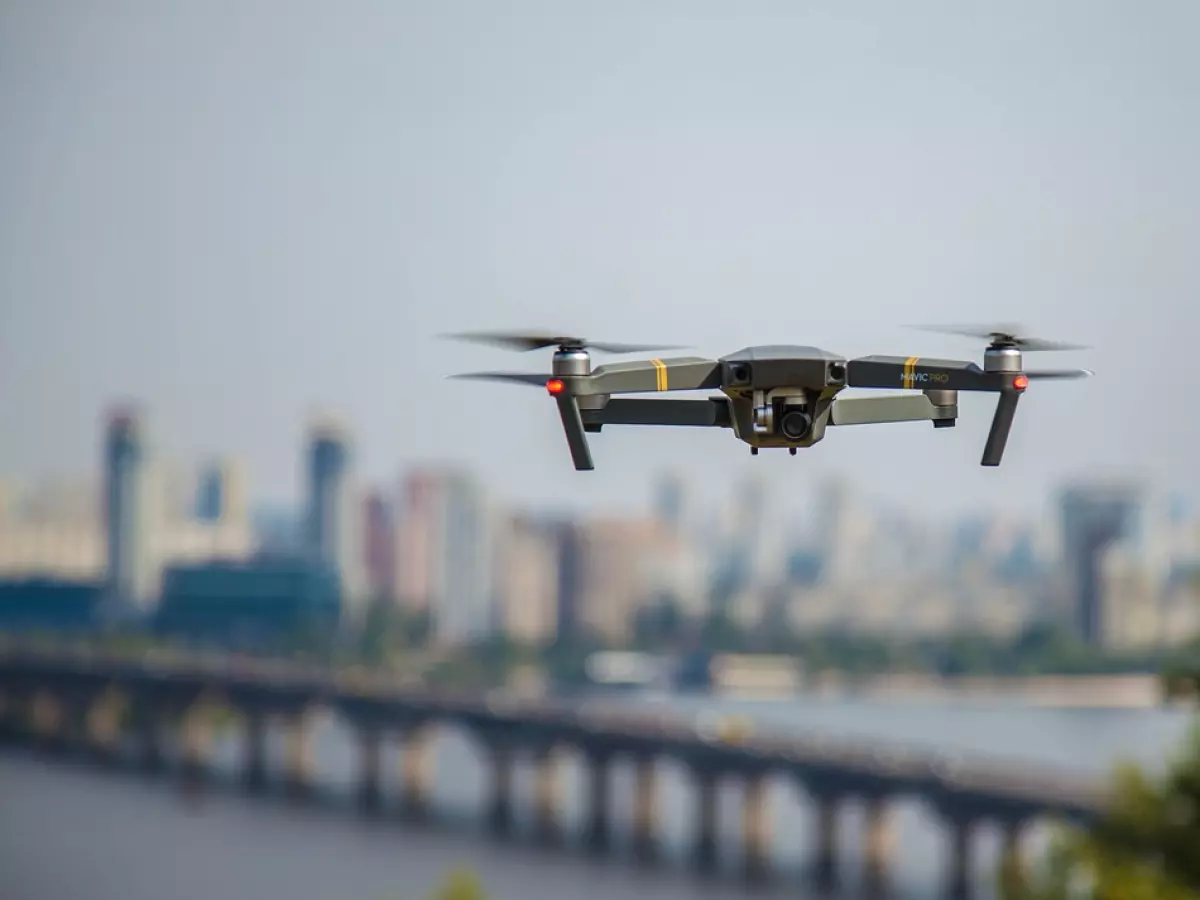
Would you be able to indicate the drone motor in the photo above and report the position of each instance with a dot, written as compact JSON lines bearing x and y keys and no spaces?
{"x":569,"y":361}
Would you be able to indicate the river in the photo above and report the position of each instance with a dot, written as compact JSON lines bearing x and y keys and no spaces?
{"x":69,"y":832}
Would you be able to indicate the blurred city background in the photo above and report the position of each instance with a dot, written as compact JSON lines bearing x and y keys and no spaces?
{"x":832,"y":581}
{"x":218,"y":219}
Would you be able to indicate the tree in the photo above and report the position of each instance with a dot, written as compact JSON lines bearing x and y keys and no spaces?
{"x":460,"y":884}
{"x":1145,"y":847}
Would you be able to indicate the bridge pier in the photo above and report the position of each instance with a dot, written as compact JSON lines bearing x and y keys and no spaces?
{"x":103,"y":725}
{"x":878,"y":844}
{"x":707,"y":794}
{"x":415,"y":774}
{"x":7,"y":708}
{"x":148,"y":729}
{"x":547,"y":794}
{"x":46,"y":720}
{"x":195,"y":742}
{"x":500,"y":804}
{"x":254,"y":774}
{"x":598,"y":832}
{"x":827,"y":806}
{"x":1012,"y":862}
{"x":370,"y":776}
{"x":71,"y":734}
{"x":756,"y":829}
{"x":645,"y":810}
{"x":961,"y":859}
{"x":298,"y":760}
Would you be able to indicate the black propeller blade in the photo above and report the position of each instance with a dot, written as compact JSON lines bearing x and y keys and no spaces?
{"x":1058,"y":374}
{"x":526,"y":341}
{"x":530,"y":378}
{"x":1001,"y":336}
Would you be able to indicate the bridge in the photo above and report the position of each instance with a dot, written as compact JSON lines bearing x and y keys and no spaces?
{"x":93,"y":701}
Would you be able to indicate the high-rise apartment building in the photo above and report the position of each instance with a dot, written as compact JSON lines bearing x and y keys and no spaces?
{"x":617,"y":573}
{"x":527,"y":581}
{"x":1093,"y":517}
{"x":379,"y":542}
{"x":125,"y":502}
{"x":444,"y":553}
{"x":333,"y":527}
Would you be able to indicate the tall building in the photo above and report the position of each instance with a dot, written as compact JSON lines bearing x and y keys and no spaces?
{"x":527,"y":576}
{"x":380,"y":547}
{"x":567,"y":540}
{"x":332,"y":525}
{"x":1093,"y":517}
{"x":617,"y":569}
{"x":124,"y":507}
{"x":463,"y":610}
{"x":444,"y":553}
{"x":670,"y":500}
{"x":416,"y":525}
{"x":220,"y":492}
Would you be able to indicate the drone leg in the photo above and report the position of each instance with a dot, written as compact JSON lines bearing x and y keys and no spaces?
{"x":568,"y":411}
{"x":792,"y":451}
{"x":1006,"y":409}
{"x":754,"y":451}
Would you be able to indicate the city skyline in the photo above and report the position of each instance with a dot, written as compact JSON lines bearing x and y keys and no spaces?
{"x":173,"y":545}
{"x":259,"y":504}
{"x":234,"y":244}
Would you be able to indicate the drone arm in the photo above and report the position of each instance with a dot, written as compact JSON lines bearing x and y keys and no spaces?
{"x":572,"y":421}
{"x":917,"y":373}
{"x":997,"y":439}
{"x":688,"y":373}
{"x":713,"y":412}
{"x":897,"y":408}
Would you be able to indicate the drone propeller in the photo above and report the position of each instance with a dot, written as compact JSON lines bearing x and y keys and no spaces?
{"x":530,"y":378}
{"x":1002,"y":336}
{"x":526,"y":341}
{"x":1057,"y":374}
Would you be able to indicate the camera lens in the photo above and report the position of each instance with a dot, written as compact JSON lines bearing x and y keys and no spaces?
{"x":739,"y":373}
{"x":837,"y":373}
{"x":795,"y":424}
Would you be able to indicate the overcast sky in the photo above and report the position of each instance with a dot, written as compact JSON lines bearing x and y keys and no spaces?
{"x":239,"y":211}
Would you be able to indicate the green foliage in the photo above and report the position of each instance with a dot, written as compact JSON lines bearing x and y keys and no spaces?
{"x":460,"y":884}
{"x":1146,"y":847}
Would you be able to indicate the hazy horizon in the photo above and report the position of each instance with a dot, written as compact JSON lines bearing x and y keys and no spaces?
{"x":239,"y":213}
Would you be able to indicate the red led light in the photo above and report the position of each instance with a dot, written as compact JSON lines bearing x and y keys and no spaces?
{"x":554,"y":386}
{"x":1020,"y":382}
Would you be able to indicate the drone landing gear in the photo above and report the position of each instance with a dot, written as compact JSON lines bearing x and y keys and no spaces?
{"x":792,"y":451}
{"x":754,"y":451}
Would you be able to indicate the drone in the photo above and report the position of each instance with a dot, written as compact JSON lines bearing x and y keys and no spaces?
{"x":774,"y":396}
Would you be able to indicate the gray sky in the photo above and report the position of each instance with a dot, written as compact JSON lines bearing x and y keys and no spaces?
{"x":240,"y":211}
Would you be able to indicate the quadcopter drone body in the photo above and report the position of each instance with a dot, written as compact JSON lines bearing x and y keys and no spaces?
{"x":774,"y":396}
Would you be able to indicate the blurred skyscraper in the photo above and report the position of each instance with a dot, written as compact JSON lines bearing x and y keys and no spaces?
{"x":671,"y":501}
{"x":332,"y":524}
{"x":124,"y":519}
{"x":444,"y":555}
{"x":380,"y":546}
{"x":568,"y":543}
{"x":1093,"y":518}
{"x":527,"y":580}
{"x":463,"y":610}
{"x":210,"y":494}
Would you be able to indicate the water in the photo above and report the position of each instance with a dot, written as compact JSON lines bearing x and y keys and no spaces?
{"x":70,"y":832}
